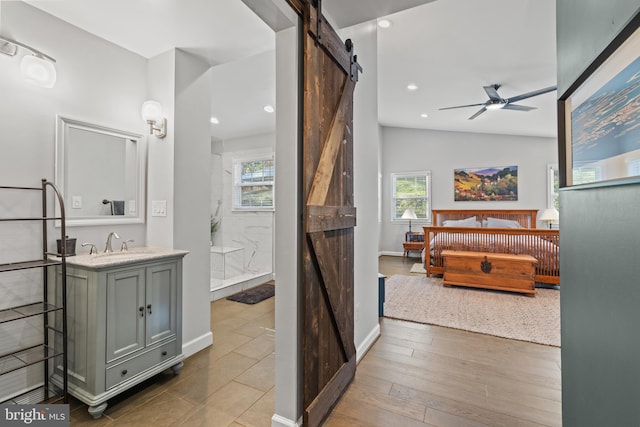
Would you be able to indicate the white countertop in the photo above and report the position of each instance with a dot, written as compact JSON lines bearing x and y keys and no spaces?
{"x":115,"y":258}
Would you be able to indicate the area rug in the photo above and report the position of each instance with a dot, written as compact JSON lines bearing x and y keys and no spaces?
{"x":418,"y":268}
{"x":503,"y":314}
{"x":254,"y":295}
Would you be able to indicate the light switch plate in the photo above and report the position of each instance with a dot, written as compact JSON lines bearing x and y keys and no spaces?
{"x":76,"y":202}
{"x":158,"y":208}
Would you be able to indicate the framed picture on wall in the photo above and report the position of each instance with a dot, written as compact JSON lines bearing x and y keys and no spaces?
{"x":498,"y":183}
{"x":601,"y":116}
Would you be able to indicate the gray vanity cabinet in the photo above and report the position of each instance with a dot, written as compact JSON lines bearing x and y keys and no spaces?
{"x":141,"y":308}
{"x":125,"y":313}
{"x":125,"y":325}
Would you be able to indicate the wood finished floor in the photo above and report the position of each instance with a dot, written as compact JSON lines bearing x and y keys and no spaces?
{"x":414,"y":375}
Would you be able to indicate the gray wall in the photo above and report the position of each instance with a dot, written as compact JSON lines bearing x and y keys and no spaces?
{"x":599,"y":306}
{"x":584,"y":29}
{"x":600,"y":245}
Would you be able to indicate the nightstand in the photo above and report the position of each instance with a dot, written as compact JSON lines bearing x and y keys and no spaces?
{"x":413,"y":242}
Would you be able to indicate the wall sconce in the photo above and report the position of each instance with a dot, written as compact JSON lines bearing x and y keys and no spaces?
{"x":152,"y":113}
{"x":36,"y":68}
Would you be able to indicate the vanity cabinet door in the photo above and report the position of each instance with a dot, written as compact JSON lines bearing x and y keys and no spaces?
{"x":161,"y":300}
{"x":126,"y":313}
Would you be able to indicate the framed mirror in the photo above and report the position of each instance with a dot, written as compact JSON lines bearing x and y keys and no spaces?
{"x":100,"y":173}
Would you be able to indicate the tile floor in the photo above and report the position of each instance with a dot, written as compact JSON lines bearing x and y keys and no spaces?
{"x":228,"y":384}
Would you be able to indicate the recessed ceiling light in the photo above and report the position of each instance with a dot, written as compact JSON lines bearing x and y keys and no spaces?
{"x":424,"y":115}
{"x":412,"y":86}
{"x":269,"y":109}
{"x":384,"y":23}
{"x":214,"y":120}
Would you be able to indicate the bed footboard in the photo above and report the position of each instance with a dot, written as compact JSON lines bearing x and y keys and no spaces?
{"x":542,"y":244}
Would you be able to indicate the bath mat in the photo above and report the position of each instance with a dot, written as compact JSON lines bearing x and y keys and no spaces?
{"x":254,"y":295}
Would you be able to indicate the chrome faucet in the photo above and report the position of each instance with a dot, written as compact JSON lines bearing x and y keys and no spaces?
{"x":124,"y":246}
{"x":107,"y":247}
{"x":93,"y":250}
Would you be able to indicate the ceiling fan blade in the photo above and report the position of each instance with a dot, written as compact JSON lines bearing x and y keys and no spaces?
{"x":531,"y":94}
{"x":518,"y":107}
{"x":480,"y":111}
{"x":492,"y":91}
{"x":461,"y":106}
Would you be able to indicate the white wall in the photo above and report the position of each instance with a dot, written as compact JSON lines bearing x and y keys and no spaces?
{"x":98,"y":82}
{"x":409,"y":150}
{"x":366,"y":141}
{"x":191,"y":195}
{"x":288,"y":316}
{"x":160,"y":170}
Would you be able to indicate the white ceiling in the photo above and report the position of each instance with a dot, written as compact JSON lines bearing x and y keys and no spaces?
{"x":452,"y":48}
{"x":449,"y":48}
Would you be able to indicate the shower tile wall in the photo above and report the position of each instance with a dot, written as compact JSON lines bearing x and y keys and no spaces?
{"x":250,"y":231}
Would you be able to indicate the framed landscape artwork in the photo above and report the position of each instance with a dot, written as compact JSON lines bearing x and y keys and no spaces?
{"x":602,"y":119}
{"x":498,"y":183}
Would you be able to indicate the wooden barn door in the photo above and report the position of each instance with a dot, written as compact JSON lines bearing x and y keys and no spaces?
{"x":329,"y":357}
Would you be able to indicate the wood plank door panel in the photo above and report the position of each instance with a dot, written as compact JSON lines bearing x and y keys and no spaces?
{"x":330,"y":73}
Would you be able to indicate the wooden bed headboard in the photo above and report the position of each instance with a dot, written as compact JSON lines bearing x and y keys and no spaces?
{"x":526,"y":217}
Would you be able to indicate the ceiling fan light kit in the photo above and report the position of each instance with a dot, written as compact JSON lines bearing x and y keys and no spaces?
{"x":494,"y":106}
{"x":496,"y":102}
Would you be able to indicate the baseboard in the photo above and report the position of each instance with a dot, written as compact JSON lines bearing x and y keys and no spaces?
{"x":391,"y":253}
{"x":197,"y":344}
{"x":279,"y":421}
{"x":364,"y":347}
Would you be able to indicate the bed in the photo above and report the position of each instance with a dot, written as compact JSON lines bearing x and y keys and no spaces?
{"x":498,"y":231}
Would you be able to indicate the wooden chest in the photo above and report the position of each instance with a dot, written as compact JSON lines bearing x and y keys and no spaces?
{"x":505,"y":272}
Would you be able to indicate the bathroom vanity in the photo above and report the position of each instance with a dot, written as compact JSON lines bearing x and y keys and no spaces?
{"x":125,"y":320}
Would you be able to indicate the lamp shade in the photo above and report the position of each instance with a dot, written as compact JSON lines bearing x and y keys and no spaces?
{"x":152,"y":111}
{"x":551,"y":214}
{"x":409,"y":214}
{"x":38,"y":71}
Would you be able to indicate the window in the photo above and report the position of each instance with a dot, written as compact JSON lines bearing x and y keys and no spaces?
{"x":411,"y":190}
{"x":253,"y":184}
{"x":633,"y":167}
{"x":553,"y":186}
{"x":586,"y":174}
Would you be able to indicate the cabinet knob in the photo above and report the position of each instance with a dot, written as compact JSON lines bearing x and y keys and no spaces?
{"x":164,"y":353}
{"x":149,"y":308}
{"x":141,"y":310}
{"x":124,"y":372}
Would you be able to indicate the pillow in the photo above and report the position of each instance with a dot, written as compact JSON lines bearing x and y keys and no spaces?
{"x":467,"y":222}
{"x":502,"y":223}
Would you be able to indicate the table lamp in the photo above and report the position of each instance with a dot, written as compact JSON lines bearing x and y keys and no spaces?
{"x":409,"y":214}
{"x":550,"y":215}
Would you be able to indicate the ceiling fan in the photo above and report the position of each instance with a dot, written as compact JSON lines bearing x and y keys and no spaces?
{"x":496,"y":102}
